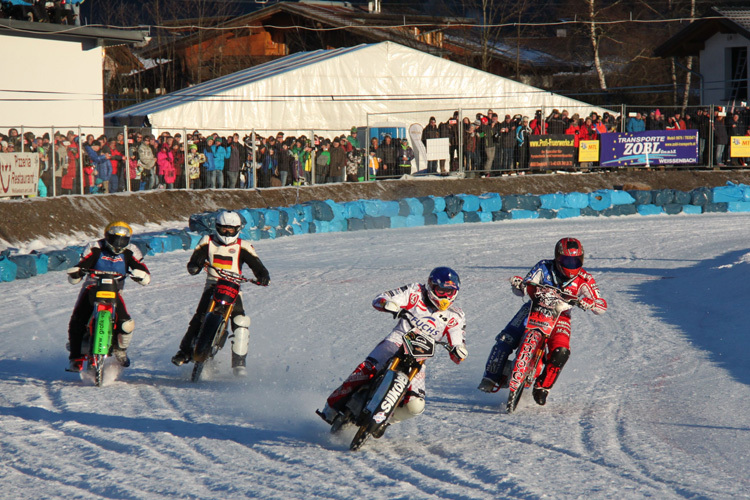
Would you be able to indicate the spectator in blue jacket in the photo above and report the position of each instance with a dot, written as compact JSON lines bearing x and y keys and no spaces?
{"x":102,"y":166}
{"x":209,"y":165}
{"x":636,"y":123}
{"x":221,"y":153}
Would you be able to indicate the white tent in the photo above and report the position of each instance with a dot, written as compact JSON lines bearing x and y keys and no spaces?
{"x":333,"y":90}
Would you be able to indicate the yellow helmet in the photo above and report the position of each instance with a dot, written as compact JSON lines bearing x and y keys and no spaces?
{"x":117,"y":236}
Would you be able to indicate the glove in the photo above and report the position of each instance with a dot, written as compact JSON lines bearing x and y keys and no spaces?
{"x":142,"y":277}
{"x":393,"y":308}
{"x":264,"y":280}
{"x":74,"y":275}
{"x":193,"y":269}
{"x":516,"y":286}
{"x":586,"y":303}
{"x":459,"y":353}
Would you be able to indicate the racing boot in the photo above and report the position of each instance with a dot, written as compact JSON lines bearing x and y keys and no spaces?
{"x":76,"y":365}
{"x":181,"y":358}
{"x":238,"y":365}
{"x":540,"y":395}
{"x":121,"y":356}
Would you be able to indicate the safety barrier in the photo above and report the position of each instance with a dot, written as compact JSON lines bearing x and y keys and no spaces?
{"x":327,"y":216}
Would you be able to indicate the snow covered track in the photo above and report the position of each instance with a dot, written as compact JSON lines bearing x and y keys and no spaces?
{"x":653,"y":403}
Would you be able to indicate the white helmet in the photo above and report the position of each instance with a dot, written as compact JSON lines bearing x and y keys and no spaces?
{"x":228,"y":225}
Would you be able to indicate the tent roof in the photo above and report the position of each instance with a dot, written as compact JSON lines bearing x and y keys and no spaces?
{"x":333,"y":89}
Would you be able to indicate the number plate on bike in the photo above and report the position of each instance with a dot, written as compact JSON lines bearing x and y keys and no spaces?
{"x":101,"y":294}
{"x":419,"y":345}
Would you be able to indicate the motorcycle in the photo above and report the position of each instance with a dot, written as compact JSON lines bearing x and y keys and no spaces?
{"x":371,"y":407}
{"x":96,"y":345}
{"x":547,"y":305}
{"x":213,"y":331}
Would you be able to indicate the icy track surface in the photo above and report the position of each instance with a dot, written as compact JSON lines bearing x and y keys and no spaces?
{"x":654,"y":402}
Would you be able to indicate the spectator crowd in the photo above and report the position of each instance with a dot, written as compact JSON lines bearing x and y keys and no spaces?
{"x":488,"y":146}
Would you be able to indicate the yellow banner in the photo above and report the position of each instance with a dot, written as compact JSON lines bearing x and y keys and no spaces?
{"x":739,"y":146}
{"x":588,"y":151}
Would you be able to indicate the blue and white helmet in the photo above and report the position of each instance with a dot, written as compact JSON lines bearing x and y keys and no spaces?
{"x":228,"y":226}
{"x":442,"y":287}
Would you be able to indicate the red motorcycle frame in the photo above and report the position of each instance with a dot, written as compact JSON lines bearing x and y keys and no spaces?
{"x":543,"y":315}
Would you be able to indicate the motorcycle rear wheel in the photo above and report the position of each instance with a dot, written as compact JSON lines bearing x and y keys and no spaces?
{"x":197,"y":370}
{"x":359,"y":438}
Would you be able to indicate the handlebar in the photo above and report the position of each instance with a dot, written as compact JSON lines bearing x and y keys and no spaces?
{"x":560,"y":294}
{"x":111,"y":274}
{"x":231,"y":276}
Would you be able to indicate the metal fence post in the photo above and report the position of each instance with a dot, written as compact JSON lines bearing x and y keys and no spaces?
{"x":80,"y":161}
{"x":710,"y":138}
{"x":53,"y":149}
{"x":313,"y":158}
{"x":127,"y":157}
{"x":460,"y":132}
{"x":253,"y":163}
{"x":185,"y":151}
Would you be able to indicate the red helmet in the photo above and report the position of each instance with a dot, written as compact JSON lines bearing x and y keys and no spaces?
{"x":569,"y":257}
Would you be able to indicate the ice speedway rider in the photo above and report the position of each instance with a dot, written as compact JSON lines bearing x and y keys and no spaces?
{"x":432,"y":309}
{"x":112,"y":253}
{"x":224,"y":250}
{"x":565,"y":272}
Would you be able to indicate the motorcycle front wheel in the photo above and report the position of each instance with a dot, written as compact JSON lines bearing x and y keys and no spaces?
{"x":212,"y":326}
{"x":360,"y":437}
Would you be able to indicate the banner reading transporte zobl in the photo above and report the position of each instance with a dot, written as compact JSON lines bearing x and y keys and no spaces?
{"x":19,"y":174}
{"x":655,"y":147}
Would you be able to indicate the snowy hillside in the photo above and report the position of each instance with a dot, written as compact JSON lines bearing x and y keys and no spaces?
{"x":653,"y":403}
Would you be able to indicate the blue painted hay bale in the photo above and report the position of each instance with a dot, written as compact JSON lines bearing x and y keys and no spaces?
{"x":284,"y":231}
{"x":553,"y":201}
{"x":59,"y":260}
{"x":373,"y":208}
{"x":546,"y":213}
{"x":430,"y":219}
{"x":471,"y":216}
{"x":681,"y":197}
{"x":729,"y":193}
{"x":662,"y":197}
{"x":416,"y":207}
{"x":194,"y":239}
{"x":398,"y":221}
{"x":521,"y":202}
{"x":457,"y":219}
{"x":590,"y":212}
{"x":567,"y":213}
{"x":524,"y":214}
{"x":403,"y":208}
{"x":25,"y":265}
{"x":380,"y":222}
{"x":471,"y":202}
{"x":414,"y":220}
{"x":8,"y":269}
{"x":649,"y":209}
{"x":439,"y":204}
{"x":268,"y":233}
{"x":621,"y":197}
{"x":183,"y":236}
{"x":500,"y":215}
{"x":701,"y":196}
{"x":490,"y":202}
{"x":620,"y":210}
{"x":442,"y":218}
{"x":673,"y":208}
{"x":715,"y":207}
{"x":354,"y":209}
{"x":641,"y":197}
{"x":485,"y":216}
{"x":600,"y":200}
{"x":576,"y":200}
{"x":738,"y":206}
{"x":453,"y":205}
{"x":202,"y":223}
{"x":428,"y":204}
{"x":321,"y":211}
{"x":692,"y":209}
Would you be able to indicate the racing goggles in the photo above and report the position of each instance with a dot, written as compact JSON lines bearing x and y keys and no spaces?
{"x":227,"y":230}
{"x":443,"y":292}
{"x":570,"y":262}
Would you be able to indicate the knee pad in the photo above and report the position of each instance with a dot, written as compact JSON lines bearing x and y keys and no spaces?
{"x":127,"y":326}
{"x":413,"y":407}
{"x":558,"y":357}
{"x":241,"y":338}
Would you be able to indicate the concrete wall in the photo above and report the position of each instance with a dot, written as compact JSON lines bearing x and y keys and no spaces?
{"x":46,"y":82}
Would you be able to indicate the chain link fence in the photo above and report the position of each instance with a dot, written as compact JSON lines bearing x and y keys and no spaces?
{"x":464,"y":142}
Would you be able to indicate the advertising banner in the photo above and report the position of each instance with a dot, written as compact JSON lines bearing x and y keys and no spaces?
{"x":588,"y":151}
{"x":655,"y":147}
{"x":739,"y":146}
{"x":551,"y":151}
{"x":19,"y":174}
